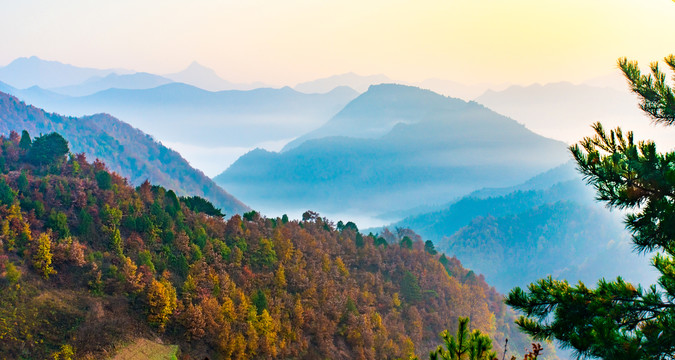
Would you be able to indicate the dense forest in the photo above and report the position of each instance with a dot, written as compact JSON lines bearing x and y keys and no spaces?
{"x":88,"y":262}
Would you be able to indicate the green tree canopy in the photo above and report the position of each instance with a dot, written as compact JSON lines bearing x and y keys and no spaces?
{"x":429,"y":247}
{"x":259,"y":300}
{"x":25,"y":141}
{"x":406,"y":242}
{"x":199,"y":204}
{"x":465,"y":345}
{"x":410,"y":288}
{"x":618,"y":320}
{"x":48,"y":148}
{"x":7,"y":195}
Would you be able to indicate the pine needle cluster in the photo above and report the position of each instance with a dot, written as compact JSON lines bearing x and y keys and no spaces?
{"x":617,"y":320}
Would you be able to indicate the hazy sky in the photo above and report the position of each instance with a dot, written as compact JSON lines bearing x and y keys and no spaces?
{"x":290,"y":41}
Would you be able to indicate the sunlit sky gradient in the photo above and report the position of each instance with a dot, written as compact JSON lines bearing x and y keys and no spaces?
{"x":290,"y":41}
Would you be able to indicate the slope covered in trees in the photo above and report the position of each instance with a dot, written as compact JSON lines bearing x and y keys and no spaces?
{"x":129,"y":152}
{"x":549,"y":239}
{"x":545,"y":227}
{"x":435,"y":225}
{"x":87,"y":262}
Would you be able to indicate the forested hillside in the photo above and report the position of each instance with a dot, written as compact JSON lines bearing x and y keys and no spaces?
{"x":88,"y":262}
{"x":563,"y":239}
{"x":515,"y":235}
{"x":442,"y":223}
{"x":128,"y":151}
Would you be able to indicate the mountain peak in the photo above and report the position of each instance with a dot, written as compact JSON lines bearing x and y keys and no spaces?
{"x":387,"y":144}
{"x":378,"y":110}
{"x":32,"y":61}
{"x":200,"y":76}
{"x":397,"y":87}
{"x":196,"y":68}
{"x":413,"y":95}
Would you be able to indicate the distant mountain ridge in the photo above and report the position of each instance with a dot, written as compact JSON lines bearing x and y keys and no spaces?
{"x":375,"y":112}
{"x":438,"y":149}
{"x":357,"y":82}
{"x":206,"y":78}
{"x":26,"y":72}
{"x":124,"y":149}
{"x":162,"y":111}
{"x":361,"y":83}
{"x":72,"y":80}
{"x":113,"y":81}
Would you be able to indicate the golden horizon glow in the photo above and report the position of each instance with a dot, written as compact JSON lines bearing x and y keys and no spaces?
{"x":283,"y":43}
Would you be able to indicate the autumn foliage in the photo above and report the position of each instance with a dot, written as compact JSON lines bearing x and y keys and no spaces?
{"x":247,"y":287}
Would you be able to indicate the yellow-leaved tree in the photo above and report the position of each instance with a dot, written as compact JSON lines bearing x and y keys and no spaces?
{"x":161,"y":303}
{"x":42,"y":257}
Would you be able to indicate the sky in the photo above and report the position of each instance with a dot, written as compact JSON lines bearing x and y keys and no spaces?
{"x":287,"y":42}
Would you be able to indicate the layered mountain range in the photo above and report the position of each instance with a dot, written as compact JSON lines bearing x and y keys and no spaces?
{"x":393,"y":147}
{"x":181,"y":109}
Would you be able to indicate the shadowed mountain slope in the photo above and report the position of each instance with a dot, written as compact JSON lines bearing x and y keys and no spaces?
{"x":128,"y":151}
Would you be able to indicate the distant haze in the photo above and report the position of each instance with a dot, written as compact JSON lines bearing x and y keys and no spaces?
{"x":290,"y":42}
{"x":564,"y":111}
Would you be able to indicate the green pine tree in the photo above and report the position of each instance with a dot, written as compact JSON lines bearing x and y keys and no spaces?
{"x":465,"y":345}
{"x":259,"y":299}
{"x":430,"y":248}
{"x":48,"y":148}
{"x":410,"y":288}
{"x":25,"y":141}
{"x":617,"y":320}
